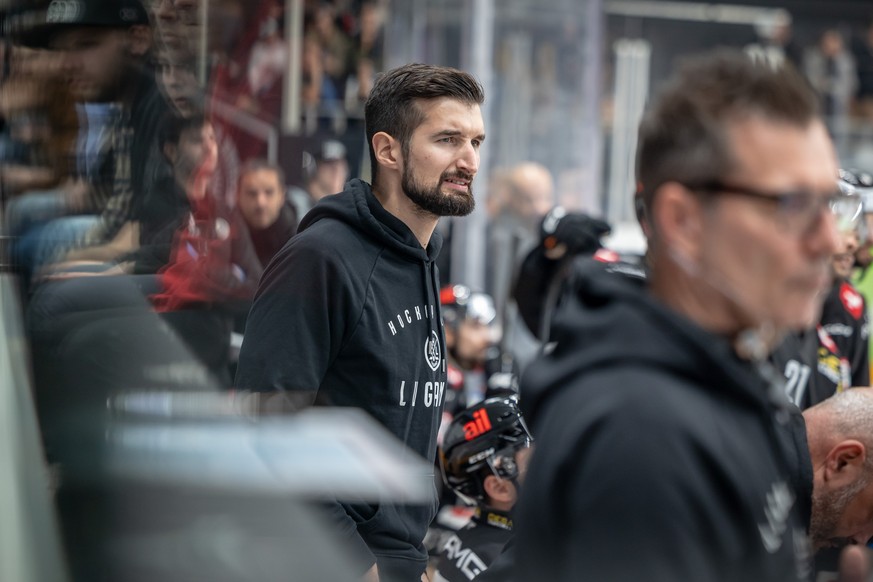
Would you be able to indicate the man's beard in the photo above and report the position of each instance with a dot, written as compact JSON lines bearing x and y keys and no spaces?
{"x":433,"y":201}
{"x":827,"y":509}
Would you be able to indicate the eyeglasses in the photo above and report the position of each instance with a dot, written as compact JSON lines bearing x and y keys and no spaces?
{"x":798,"y":211}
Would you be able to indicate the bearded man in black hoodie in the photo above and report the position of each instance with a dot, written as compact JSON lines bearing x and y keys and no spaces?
{"x":656,"y":413}
{"x":349,"y":309}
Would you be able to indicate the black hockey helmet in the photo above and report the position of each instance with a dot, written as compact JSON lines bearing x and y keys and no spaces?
{"x":480,"y":441}
{"x":860,"y":182}
{"x":460,"y":302}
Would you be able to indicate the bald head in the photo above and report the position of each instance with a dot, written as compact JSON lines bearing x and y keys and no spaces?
{"x":845,"y":415}
{"x":840,"y":435}
{"x":532,"y":191}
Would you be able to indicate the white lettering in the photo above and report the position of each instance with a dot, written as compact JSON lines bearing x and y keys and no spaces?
{"x":417,"y":313}
{"x":414,"y":392}
{"x":440,"y":391}
{"x":465,"y":560}
{"x":453,"y":547}
{"x":400,"y":319}
{"x":402,"y":400}
{"x":472,"y":566}
{"x":428,"y":394}
{"x":392,"y":328}
{"x":408,"y":319}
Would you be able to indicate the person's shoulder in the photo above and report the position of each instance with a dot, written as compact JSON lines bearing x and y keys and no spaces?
{"x":631,"y":397}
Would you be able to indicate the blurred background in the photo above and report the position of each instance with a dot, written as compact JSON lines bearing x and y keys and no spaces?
{"x":285,"y":81}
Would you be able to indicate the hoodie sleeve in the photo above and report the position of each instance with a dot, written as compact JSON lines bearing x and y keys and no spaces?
{"x":305,"y":306}
{"x":298,"y":322}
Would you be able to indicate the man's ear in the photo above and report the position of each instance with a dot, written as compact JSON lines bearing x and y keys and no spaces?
{"x":844,"y":463}
{"x":387,"y":150}
{"x":677,"y":217}
{"x":139,"y":39}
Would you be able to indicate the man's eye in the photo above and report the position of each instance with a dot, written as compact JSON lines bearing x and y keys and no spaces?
{"x":796,"y":203}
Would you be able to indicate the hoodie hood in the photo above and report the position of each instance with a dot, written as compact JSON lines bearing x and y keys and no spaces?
{"x":608,"y":319}
{"x":359,"y":208}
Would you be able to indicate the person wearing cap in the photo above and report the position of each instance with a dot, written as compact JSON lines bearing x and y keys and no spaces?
{"x":325,"y":173}
{"x":104,"y":46}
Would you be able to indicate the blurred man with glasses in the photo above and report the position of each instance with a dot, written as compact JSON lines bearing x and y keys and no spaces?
{"x":659,"y":414}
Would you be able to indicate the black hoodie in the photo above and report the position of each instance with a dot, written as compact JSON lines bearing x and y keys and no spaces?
{"x":658,"y":453}
{"x":349,"y":309}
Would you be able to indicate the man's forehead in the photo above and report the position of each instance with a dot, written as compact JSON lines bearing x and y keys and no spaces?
{"x":74,"y":36}
{"x":450,"y":114}
{"x":261,"y":175}
{"x":783,"y":156}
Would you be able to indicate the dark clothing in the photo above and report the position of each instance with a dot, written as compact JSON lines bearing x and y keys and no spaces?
{"x":844,"y":317}
{"x":268,"y":241}
{"x":813,"y":366}
{"x":212,"y":262}
{"x":659,"y":454}
{"x":349,"y":310}
{"x":130,"y":156}
{"x":796,"y":446}
{"x":164,"y":210}
{"x":472,"y":549}
{"x":833,"y":357}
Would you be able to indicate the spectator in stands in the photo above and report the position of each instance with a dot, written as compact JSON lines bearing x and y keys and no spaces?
{"x":178,"y":81}
{"x":830,"y":68}
{"x":270,"y":218}
{"x":336,"y":53}
{"x":862,"y":51}
{"x":105,"y":46}
{"x":369,"y":46}
{"x":199,"y":270}
{"x":38,"y":123}
{"x":529,"y":195}
{"x":325,"y":173}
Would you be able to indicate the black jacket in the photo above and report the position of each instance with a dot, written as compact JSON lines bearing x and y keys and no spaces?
{"x":349,"y":309}
{"x":472,"y":549}
{"x":269,"y":240}
{"x":658,"y":450}
{"x":844,"y":317}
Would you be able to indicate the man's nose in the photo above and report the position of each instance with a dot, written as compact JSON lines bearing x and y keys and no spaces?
{"x":825,"y":239}
{"x":468,"y":161}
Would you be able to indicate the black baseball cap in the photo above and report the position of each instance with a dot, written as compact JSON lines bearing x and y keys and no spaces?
{"x":110,"y":13}
{"x":36,"y":26}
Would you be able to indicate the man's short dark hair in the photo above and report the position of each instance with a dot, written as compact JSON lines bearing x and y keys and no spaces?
{"x":392,"y":105}
{"x":173,"y":125}
{"x":683,"y":136}
{"x":258,"y":164}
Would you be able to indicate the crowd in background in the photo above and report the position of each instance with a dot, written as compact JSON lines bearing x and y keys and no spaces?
{"x":137,"y":211}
